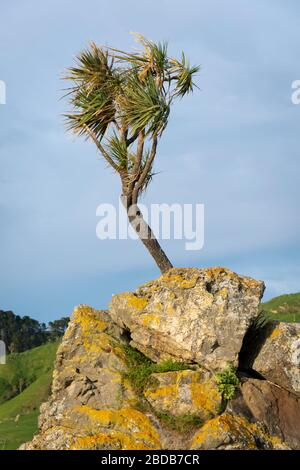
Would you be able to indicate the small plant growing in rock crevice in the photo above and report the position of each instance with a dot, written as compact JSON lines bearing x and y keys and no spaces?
{"x":227,"y":382}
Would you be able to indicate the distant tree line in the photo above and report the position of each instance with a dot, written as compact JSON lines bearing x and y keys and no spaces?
{"x":22,"y":333}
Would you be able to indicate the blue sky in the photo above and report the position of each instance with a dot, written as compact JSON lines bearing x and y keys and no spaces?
{"x":233,"y":145}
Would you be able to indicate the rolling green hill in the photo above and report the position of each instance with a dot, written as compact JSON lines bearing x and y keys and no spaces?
{"x":24,"y":384}
{"x":284,"y":308}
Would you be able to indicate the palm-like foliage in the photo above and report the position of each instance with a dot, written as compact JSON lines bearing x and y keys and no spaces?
{"x":125,"y":98}
{"x":143,"y":105}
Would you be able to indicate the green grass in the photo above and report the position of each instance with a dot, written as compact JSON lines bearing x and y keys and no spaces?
{"x":140,"y":368}
{"x":284,"y":308}
{"x":24,"y":368}
{"x":13,"y":434}
{"x":30,"y":373}
{"x":30,"y":399}
{"x":139,"y":371}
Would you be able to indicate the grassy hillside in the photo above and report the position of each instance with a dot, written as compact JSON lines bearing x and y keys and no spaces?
{"x":24,"y":384}
{"x":23,"y":369}
{"x":284,"y":308}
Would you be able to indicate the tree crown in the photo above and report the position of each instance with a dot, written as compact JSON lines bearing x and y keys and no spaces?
{"x":122,"y":102}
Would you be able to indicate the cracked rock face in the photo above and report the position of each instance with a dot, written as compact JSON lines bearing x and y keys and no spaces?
{"x":278,"y":357}
{"x":194,"y":315}
{"x":275,"y":407}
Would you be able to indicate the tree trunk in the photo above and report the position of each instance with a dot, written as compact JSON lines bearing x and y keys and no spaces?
{"x":147,"y":237}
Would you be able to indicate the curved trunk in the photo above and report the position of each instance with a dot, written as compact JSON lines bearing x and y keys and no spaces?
{"x":147,"y":237}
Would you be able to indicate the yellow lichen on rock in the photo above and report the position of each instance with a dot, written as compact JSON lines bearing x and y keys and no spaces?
{"x":205,"y":396}
{"x":181,"y":278}
{"x":148,"y":318}
{"x":233,"y":432}
{"x":166,"y":395}
{"x":190,"y":314}
{"x":113,"y":441}
{"x":88,"y":318}
{"x":134,"y":429}
{"x":276,"y":331}
{"x":224,"y":292}
{"x":107,"y":396}
{"x":139,"y":303}
{"x":184,"y":392}
{"x":92,"y":329}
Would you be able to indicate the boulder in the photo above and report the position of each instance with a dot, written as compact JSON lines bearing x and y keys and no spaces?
{"x":85,"y":428}
{"x":92,"y":403}
{"x":193,"y":315}
{"x":229,"y":432}
{"x":186,"y":392}
{"x":276,"y":408}
{"x":277,"y":357}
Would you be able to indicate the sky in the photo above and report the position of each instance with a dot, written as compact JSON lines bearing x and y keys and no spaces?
{"x":233,"y":146}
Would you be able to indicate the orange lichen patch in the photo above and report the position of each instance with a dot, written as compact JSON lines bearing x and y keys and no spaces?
{"x":277,"y":331}
{"x":205,"y":396}
{"x":218,"y":271}
{"x":129,"y":396}
{"x":88,"y":317}
{"x":181,"y":278}
{"x":148,"y":318}
{"x":215,"y":272}
{"x":98,"y":343}
{"x":225,"y":424}
{"x":235,"y":429}
{"x":151,"y":285}
{"x":167,"y":393}
{"x":92,"y":328}
{"x":139,"y":303}
{"x":251,"y":283}
{"x":224,"y":292}
{"x":125,"y":421}
{"x":114,"y":440}
{"x":184,"y":391}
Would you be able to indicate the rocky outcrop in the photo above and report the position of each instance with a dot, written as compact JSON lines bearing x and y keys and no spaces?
{"x":195,"y":315}
{"x":91,"y":405}
{"x":188,"y":325}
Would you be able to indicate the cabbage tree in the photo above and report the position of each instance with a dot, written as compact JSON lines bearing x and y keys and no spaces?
{"x":121,"y":101}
